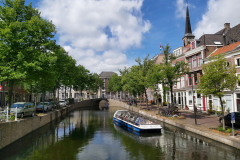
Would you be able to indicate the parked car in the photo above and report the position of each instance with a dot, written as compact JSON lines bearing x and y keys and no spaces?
{"x":55,"y":105}
{"x":62,"y":103}
{"x":227,"y":119}
{"x":44,"y":106}
{"x":23,"y":109}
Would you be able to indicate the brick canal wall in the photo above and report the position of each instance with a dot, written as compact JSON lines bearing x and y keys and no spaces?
{"x":12,"y":131}
{"x":225,"y":140}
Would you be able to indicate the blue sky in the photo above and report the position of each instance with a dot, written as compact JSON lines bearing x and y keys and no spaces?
{"x":107,"y":35}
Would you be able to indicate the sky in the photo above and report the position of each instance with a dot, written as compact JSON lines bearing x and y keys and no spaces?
{"x":108,"y":35}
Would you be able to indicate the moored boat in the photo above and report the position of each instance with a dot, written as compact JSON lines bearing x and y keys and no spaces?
{"x":134,"y":122}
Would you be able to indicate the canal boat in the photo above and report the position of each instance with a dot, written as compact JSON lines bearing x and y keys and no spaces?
{"x":134,"y":122}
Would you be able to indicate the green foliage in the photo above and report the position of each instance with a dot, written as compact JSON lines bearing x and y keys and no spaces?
{"x":115,"y":83}
{"x":217,"y":78}
{"x":220,"y":128}
{"x":137,"y":78}
{"x":26,"y":43}
{"x":170,"y":70}
{"x":229,"y":130}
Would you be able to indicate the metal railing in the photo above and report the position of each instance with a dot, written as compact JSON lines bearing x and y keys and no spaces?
{"x":4,"y":116}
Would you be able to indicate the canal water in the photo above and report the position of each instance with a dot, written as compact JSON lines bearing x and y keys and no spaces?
{"x":92,"y":135}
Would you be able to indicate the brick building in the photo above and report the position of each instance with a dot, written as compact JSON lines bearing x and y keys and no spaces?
{"x":195,"y":52}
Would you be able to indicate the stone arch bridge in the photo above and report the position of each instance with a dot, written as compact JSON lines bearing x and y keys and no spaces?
{"x":92,"y":103}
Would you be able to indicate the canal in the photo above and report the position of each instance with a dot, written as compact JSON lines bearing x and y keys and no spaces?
{"x":91,"y":134}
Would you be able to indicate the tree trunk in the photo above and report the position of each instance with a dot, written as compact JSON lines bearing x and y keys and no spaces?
{"x":146,"y":99}
{"x":158,"y":103}
{"x":10,"y":93}
{"x":171,"y":95}
{"x":54,"y":97}
{"x":141,"y":100}
{"x":70,"y":95}
{"x":65,"y":94}
{"x":223,"y":121}
{"x":58,"y":96}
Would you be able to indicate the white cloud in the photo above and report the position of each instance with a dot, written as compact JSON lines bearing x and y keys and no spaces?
{"x":218,"y":12}
{"x":89,"y":27}
{"x":181,"y":8}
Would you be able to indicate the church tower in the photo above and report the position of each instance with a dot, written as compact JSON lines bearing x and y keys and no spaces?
{"x":188,"y":31}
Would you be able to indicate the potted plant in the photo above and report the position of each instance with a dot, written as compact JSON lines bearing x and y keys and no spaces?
{"x":186,"y":107}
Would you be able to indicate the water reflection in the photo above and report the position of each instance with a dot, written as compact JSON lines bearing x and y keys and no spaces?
{"x":91,"y":134}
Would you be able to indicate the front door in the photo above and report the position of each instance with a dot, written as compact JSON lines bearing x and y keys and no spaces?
{"x":238,"y":104}
{"x":203,"y":102}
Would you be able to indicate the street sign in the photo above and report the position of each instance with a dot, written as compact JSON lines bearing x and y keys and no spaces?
{"x":232,"y":117}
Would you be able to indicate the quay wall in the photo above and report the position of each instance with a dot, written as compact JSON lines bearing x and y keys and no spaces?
{"x":14,"y":130}
{"x":217,"y":137}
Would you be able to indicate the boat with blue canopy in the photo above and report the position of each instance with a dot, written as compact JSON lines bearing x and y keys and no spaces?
{"x":134,"y":122}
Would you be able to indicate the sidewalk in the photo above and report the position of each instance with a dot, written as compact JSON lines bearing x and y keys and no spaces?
{"x":203,"y":119}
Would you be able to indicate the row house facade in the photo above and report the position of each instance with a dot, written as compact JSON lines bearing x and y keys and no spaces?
{"x":104,"y":93}
{"x":195,"y":52}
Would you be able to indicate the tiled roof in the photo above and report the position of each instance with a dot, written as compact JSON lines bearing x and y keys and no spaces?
{"x":227,"y":48}
{"x":232,"y":34}
{"x":209,"y":39}
{"x":106,"y":74}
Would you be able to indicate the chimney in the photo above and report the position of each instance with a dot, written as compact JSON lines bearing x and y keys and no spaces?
{"x":227,"y":26}
{"x":224,"y":40}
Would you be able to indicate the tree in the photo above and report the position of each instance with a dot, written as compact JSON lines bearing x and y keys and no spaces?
{"x":81,"y":78}
{"x":157,"y":78}
{"x":94,"y":82}
{"x":115,"y":83}
{"x":171,"y":72}
{"x":217,"y":78}
{"x":138,"y":79}
{"x":25,"y":38}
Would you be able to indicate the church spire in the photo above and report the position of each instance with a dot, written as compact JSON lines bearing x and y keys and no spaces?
{"x":188,"y":24}
{"x":188,"y":30}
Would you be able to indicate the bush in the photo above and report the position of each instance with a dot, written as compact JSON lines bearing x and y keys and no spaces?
{"x":12,"y":117}
{"x":228,"y":130}
{"x":165,"y":103}
{"x":220,"y":128}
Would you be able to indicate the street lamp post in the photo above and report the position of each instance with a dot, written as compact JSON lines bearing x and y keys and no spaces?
{"x":194,"y":103}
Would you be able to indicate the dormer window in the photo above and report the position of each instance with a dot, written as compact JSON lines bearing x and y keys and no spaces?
{"x":217,"y":43}
{"x":193,"y":44}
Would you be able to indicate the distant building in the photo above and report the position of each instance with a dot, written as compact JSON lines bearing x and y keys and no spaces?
{"x":105,"y":76}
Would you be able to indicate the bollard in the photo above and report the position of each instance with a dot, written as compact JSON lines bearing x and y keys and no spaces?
{"x":16,"y":115}
{"x":7,"y":115}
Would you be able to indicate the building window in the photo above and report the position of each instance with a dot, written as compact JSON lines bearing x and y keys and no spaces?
{"x":103,"y":86}
{"x":238,"y":96}
{"x":182,"y":82}
{"x":179,"y":98}
{"x":189,"y":80}
{"x":196,"y":79}
{"x":194,"y":61}
{"x":238,"y":62}
{"x":193,"y":45}
{"x":199,"y":100}
{"x":190,"y":97}
{"x":62,"y":95}
{"x":178,"y":83}
{"x":200,"y":62}
{"x":238,"y":83}
{"x":190,"y":62}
